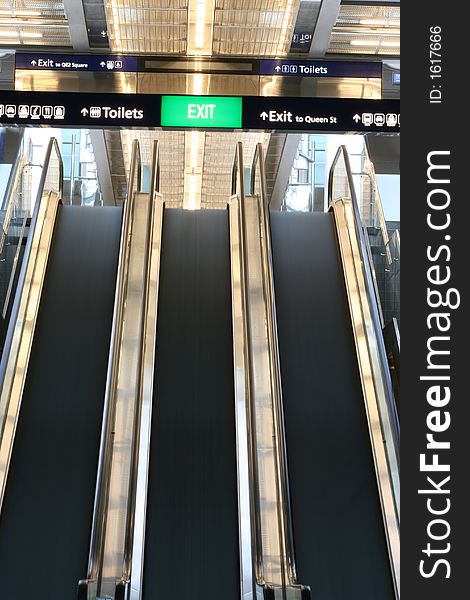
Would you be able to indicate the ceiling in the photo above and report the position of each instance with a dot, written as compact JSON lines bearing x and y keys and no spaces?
{"x":215,"y":152}
{"x":33,"y":22}
{"x":197,"y":160}
{"x":202,"y":27}
{"x":147,"y":29}
{"x":229,"y":27}
{"x":366,"y":29}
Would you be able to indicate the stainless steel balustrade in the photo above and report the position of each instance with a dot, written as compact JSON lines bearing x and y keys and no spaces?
{"x":282,"y":468}
{"x":15,"y":359}
{"x":13,"y":173}
{"x":376,"y":217}
{"x":266,"y":541}
{"x":16,"y":260}
{"x":374,"y":278}
{"x":116,"y":547}
{"x":371,"y":209}
{"x":247,"y":473}
{"x":89,"y":587}
{"x":375,"y":376}
{"x":16,"y":193}
{"x":11,"y":195}
{"x":130,"y":585}
{"x":11,"y":201}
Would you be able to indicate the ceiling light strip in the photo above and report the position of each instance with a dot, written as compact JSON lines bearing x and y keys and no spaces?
{"x":24,"y":34}
{"x":19,"y":13}
{"x":200,"y":27}
{"x":380,"y":22}
{"x":385,"y":43}
{"x":42,"y":23}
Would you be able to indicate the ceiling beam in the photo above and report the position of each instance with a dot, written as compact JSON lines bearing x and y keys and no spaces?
{"x":77,"y":25}
{"x":305,"y":23}
{"x":327,"y":17}
{"x":103,"y":169}
{"x":78,"y":28}
{"x":286,"y":162}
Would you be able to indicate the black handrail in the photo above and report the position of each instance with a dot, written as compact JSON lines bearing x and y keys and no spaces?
{"x":53,"y":144}
{"x":155,"y":173}
{"x":135,"y":175}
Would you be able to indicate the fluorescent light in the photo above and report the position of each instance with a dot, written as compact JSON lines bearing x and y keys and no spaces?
{"x":31,"y":34}
{"x":23,"y":34}
{"x":381,"y":22}
{"x":385,"y":43}
{"x":200,"y":23}
{"x":364,"y":42}
{"x":19,"y":12}
{"x":200,"y":27}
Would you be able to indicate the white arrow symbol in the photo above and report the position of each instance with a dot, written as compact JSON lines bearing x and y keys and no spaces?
{"x":264,"y":115}
{"x":278,"y":68}
{"x":357,"y":118}
{"x":84,"y":112}
{"x":34,"y":63}
{"x":102,"y":63}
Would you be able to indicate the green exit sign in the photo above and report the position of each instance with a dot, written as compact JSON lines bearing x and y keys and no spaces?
{"x":201,"y":111}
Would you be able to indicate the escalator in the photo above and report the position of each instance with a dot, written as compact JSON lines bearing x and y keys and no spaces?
{"x":165,"y":522}
{"x":191,"y":547}
{"x":244,"y":491}
{"x":217,"y":430}
{"x":49,"y":488}
{"x":340,"y":419}
{"x":340,"y":543}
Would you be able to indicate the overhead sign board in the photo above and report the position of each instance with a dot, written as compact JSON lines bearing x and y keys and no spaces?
{"x":125,"y":63}
{"x":202,"y":112}
{"x":321,"y":114}
{"x":67,"y":109}
{"x":321,"y":68}
{"x":77,"y":62}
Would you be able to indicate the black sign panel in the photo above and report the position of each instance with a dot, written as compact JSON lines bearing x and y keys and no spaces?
{"x":77,"y":62}
{"x":321,"y":114}
{"x":133,"y":110}
{"x":79,"y":110}
{"x":321,"y":68}
{"x":121,"y":63}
